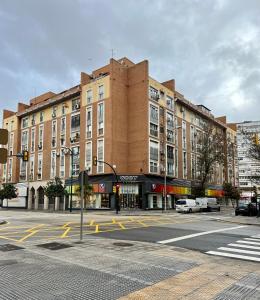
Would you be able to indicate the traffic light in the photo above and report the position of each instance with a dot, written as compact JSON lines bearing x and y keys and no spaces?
{"x":25,"y":155}
{"x":94,"y":161}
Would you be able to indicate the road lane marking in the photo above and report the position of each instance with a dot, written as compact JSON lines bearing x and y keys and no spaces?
{"x":231,"y":255}
{"x":250,"y":239}
{"x":247,"y":242}
{"x":189,"y":236}
{"x":239,"y":250}
{"x":65,"y":232}
{"x":244,"y":246}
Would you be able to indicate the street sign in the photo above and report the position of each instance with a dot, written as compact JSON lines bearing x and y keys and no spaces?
{"x":3,"y":136}
{"x":3,"y":156}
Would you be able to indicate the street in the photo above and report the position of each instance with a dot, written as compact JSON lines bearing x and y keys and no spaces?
{"x":124,"y":255}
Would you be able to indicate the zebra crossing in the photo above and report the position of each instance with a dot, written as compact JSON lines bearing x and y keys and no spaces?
{"x":247,"y":249}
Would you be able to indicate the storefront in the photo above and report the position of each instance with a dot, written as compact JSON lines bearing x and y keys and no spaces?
{"x":214,"y":191}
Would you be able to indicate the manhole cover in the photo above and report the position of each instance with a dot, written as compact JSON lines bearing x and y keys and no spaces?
{"x":120,"y":244}
{"x":9,"y":247}
{"x":54,"y":246}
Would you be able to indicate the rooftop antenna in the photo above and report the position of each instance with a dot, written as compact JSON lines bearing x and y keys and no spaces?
{"x":112,"y":53}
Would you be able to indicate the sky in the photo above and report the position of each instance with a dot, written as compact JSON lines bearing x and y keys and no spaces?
{"x":210,"y":47}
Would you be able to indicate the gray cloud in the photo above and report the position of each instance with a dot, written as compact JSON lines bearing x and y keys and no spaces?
{"x":210,"y":47}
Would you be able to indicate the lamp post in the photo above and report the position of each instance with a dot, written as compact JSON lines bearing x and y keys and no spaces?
{"x":69,"y":150}
{"x":165,"y":170}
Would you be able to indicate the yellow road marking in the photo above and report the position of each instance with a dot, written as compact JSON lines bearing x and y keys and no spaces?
{"x":97,"y":229}
{"x":91,"y":222}
{"x":27,"y":236}
{"x":121,"y":225}
{"x":65,"y":232}
{"x":33,"y":228}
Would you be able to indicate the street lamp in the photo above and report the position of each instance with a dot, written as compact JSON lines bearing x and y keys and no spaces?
{"x":165,"y":169}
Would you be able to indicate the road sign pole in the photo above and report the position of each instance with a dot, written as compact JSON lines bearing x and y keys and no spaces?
{"x":82,"y":181}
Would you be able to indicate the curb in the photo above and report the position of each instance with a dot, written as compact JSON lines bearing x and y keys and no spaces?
{"x":237,"y":222}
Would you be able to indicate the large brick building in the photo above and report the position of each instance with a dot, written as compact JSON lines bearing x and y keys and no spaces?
{"x":124,"y":117}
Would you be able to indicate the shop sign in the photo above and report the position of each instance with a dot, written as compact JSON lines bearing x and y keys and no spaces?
{"x":177,"y":190}
{"x":214,"y":193}
{"x":128,"y":178}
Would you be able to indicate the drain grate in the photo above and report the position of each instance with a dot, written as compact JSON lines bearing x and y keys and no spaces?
{"x":121,"y":244}
{"x":9,"y":247}
{"x":54,"y":246}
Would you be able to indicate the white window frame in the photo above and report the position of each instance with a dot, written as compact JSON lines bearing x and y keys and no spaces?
{"x":33,"y":139}
{"x":98,"y":126}
{"x":27,"y":144}
{"x":99,"y":164}
{"x":152,"y":160}
{"x":78,"y":169}
{"x":184,"y":136}
{"x":153,"y":121}
{"x":89,"y":109}
{"x":10,"y":170}
{"x":101,"y":96}
{"x":89,"y":99}
{"x":166,"y":156}
{"x":40,"y":158}
{"x":185,"y":174}
{"x":31,"y":162}
{"x":88,"y":163}
{"x":40,"y":142}
{"x":63,"y":133}
{"x":53,"y":165}
{"x":54,"y":134}
{"x":62,"y":168}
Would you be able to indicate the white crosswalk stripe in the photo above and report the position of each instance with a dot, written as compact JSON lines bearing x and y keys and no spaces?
{"x":246,"y":249}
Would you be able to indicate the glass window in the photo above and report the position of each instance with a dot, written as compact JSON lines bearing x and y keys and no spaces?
{"x":75,"y":104}
{"x":62,"y":163}
{"x":25,"y":122}
{"x":40,"y":145}
{"x":154,"y":94}
{"x":54,"y":133}
{"x":39,"y":171}
{"x":31,"y":168}
{"x":33,"y":140}
{"x":25,"y":139}
{"x":170,"y":102}
{"x":100,"y":156}
{"x":75,"y":165}
{"x":89,"y":96}
{"x":100,"y":118}
{"x":53,"y":164}
{"x":41,"y":116}
{"x":89,"y":122}
{"x":89,"y":156}
{"x":75,"y":123}
{"x":101,"y":92}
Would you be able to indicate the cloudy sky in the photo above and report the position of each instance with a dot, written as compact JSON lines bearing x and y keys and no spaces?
{"x":210,"y":47}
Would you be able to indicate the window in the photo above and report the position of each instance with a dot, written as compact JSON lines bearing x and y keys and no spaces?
{"x":25,"y":122}
{"x":11,"y":143}
{"x":89,"y":122}
{"x":31,"y":171}
{"x":40,"y":143}
{"x":176,"y":162}
{"x":75,"y":165}
{"x":154,"y":156}
{"x":23,"y":170}
{"x":184,"y":140}
{"x":100,"y":156}
{"x":33,"y":119}
{"x":75,"y":123}
{"x":63,"y":109}
{"x":170,"y":127}
{"x":101,"y":92}
{"x":10,"y":170}
{"x":63,"y":132}
{"x":184,"y":164}
{"x":62,"y":163}
{"x":193,"y":166}
{"x":54,"y":133}
{"x":88,"y":163}
{"x":39,"y":169}
{"x":33,"y":140}
{"x":24,"y":144}
{"x":89,"y":96}
{"x":170,"y":160}
{"x":153,"y":94}
{"x":169,"y":102}
{"x":41,"y":116}
{"x":54,"y":111}
{"x":4,"y":172}
{"x":100,"y":118}
{"x":192,"y":138}
{"x":154,"y":117}
{"x":53,"y":164}
{"x":75,"y":104}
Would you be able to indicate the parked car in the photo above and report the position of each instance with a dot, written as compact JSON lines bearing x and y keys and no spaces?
{"x":208,"y":204}
{"x":187,"y":205}
{"x":246,"y":209}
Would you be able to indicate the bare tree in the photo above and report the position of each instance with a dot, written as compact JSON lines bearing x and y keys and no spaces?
{"x":211,"y":152}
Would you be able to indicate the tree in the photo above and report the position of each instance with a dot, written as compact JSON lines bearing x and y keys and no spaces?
{"x":55,"y":188}
{"x":8,"y":192}
{"x":231,"y":192}
{"x":210,"y":150}
{"x":88,"y":191}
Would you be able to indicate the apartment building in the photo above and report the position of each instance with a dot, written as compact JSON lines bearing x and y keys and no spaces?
{"x":248,"y":168}
{"x":145,"y":129}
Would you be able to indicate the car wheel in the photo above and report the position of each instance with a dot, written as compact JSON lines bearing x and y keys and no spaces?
{"x":190,"y":210}
{"x":219,"y":209}
{"x":236,"y":214}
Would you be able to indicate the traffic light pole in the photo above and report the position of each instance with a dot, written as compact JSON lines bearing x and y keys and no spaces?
{"x":117,"y":188}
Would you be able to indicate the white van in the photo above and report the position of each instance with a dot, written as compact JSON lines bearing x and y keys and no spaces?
{"x":208,"y":204}
{"x":187,"y":205}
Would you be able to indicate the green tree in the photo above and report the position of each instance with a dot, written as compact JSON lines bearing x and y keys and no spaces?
{"x":55,"y":188}
{"x":8,"y":192}
{"x":88,"y":191}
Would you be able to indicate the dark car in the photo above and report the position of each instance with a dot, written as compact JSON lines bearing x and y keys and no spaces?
{"x":246,"y":209}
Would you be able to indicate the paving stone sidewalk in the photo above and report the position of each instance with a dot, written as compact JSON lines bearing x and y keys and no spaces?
{"x":107,"y":269}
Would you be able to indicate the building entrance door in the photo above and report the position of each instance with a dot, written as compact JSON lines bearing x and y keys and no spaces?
{"x":129,"y":196}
